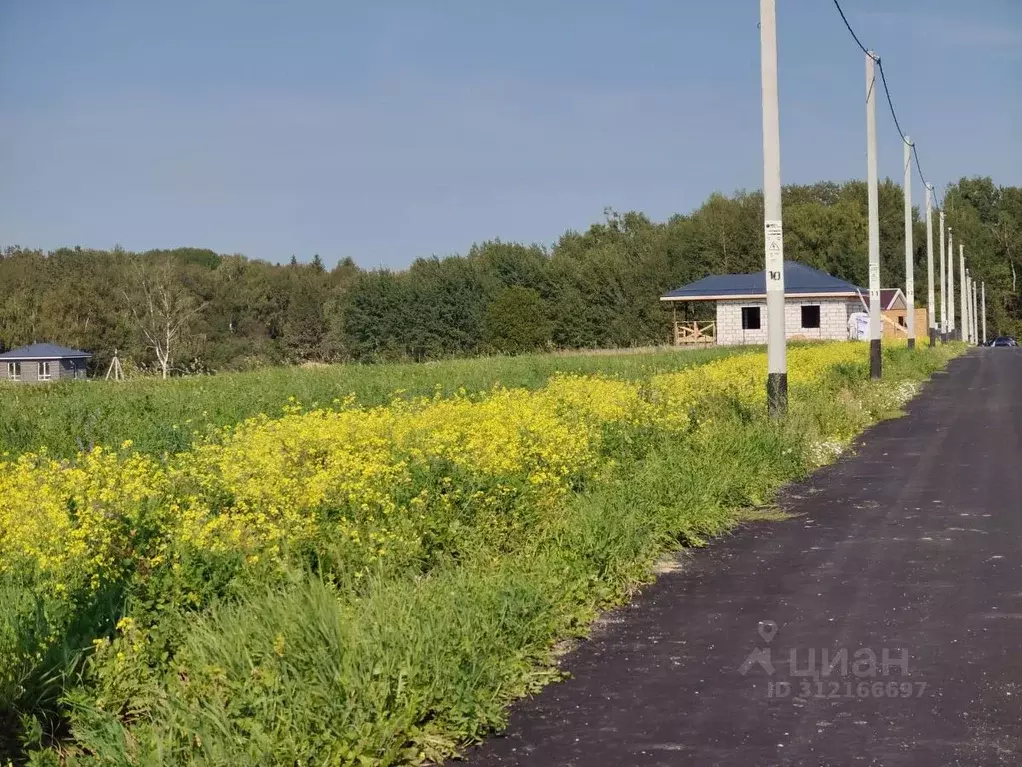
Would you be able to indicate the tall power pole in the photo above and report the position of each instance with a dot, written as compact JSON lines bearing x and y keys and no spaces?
{"x":967,"y":305}
{"x":943,"y":284}
{"x":950,"y":284}
{"x":910,"y":280}
{"x":975,"y":313}
{"x":931,"y":311}
{"x":963,"y":334}
{"x":875,"y":358}
{"x":983,"y":293}
{"x":777,"y":355}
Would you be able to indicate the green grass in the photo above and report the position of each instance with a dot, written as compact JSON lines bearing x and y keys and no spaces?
{"x":407,"y":668}
{"x":163,"y":416}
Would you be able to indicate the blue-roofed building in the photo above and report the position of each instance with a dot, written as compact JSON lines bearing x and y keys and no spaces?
{"x":43,"y":363}
{"x":817,"y":307}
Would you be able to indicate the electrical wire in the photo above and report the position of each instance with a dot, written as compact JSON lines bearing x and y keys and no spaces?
{"x":919,"y":167}
{"x":850,"y":30}
{"x":890,"y":101}
{"x":887,"y":90}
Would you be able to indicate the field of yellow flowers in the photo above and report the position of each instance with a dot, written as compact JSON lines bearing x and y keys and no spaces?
{"x":114,"y":562}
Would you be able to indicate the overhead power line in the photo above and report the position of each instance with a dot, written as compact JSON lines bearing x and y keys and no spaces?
{"x":850,"y":30}
{"x":890,"y":102}
{"x":887,"y":90}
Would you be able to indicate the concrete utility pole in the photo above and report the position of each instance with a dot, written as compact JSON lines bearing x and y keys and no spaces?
{"x":983,"y":293}
{"x":950,"y":285}
{"x":910,"y":280}
{"x":875,"y":358}
{"x":975,"y":313}
{"x":963,"y":334}
{"x":966,"y":305}
{"x":931,"y":310}
{"x":943,"y":284}
{"x":777,"y":355}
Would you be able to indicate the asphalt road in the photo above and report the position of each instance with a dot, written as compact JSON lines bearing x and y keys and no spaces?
{"x":906,"y":552}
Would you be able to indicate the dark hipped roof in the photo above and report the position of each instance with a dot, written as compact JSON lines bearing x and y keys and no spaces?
{"x":799,"y":279}
{"x":44,"y":352}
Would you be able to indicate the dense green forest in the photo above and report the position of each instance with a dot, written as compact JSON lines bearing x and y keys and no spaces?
{"x":597,"y":288}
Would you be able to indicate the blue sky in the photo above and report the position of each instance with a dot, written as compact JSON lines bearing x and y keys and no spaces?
{"x":393,"y":129}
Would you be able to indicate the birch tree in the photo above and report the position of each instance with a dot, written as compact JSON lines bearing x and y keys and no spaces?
{"x":162,"y":309}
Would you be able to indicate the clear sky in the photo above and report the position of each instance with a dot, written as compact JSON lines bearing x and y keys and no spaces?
{"x":386,"y":130}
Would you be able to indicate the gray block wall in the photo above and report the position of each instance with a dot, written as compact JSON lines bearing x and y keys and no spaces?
{"x":833,"y":321}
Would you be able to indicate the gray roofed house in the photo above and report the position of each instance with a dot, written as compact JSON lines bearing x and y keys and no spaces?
{"x":817,"y":307}
{"x":798,"y":279}
{"x":42,"y":363}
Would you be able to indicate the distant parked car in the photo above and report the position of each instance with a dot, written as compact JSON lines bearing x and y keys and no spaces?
{"x":1004,"y":341}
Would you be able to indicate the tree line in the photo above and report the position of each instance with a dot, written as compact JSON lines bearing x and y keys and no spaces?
{"x":194,"y":310}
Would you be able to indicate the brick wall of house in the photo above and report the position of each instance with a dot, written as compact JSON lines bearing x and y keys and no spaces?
{"x":833,"y":321}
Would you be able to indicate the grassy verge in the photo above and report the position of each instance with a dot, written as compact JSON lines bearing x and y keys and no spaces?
{"x":164,"y":416}
{"x":403,"y":667}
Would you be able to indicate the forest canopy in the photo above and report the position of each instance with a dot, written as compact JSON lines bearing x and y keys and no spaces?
{"x":597,"y":288}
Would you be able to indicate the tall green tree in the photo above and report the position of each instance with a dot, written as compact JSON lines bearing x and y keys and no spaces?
{"x":516,"y":321}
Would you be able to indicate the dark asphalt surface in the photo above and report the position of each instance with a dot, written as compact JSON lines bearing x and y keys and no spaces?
{"x":910,"y":546}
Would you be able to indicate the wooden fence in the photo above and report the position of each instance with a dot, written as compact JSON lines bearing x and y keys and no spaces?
{"x":701,"y":333}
